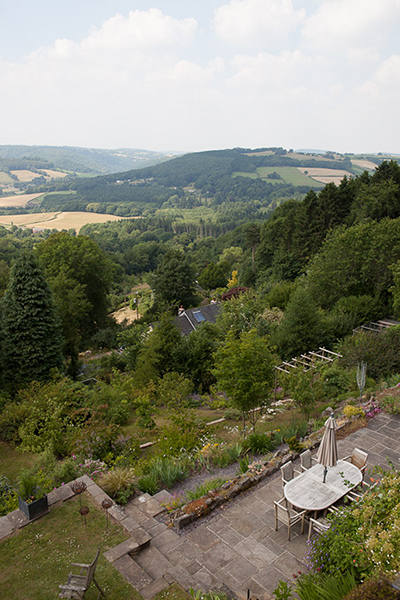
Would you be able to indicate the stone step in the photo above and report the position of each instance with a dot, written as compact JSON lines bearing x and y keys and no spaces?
{"x":132,"y":572}
{"x":139,"y":539}
{"x":146,"y":504}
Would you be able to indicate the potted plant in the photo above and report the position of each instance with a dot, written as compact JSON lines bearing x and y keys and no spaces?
{"x":32,"y":499}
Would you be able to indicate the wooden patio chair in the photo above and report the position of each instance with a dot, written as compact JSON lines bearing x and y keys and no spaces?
{"x":320,"y":525}
{"x":287,"y":472}
{"x":306,"y":460}
{"x":288,"y":516}
{"x":359,"y":459}
{"x":77,"y":585}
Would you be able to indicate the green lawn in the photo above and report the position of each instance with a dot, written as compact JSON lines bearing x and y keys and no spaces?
{"x":245,"y":174}
{"x":289,"y":175}
{"x":34,"y":562}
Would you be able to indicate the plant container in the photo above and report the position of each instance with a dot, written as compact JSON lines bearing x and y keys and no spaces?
{"x":33,"y":510}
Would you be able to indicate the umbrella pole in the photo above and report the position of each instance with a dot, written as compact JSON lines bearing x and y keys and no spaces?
{"x":325,"y":472}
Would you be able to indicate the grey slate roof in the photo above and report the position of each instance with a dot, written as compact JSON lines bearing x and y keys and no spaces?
{"x":189,"y":320}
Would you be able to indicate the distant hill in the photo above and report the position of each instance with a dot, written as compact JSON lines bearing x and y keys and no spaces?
{"x":77,"y":160}
{"x":217,"y":188}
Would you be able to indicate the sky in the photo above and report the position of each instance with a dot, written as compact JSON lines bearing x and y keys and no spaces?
{"x":192,"y":75}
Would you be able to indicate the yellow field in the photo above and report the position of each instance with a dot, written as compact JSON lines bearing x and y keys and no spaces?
{"x":15,"y":201}
{"x":365,"y":164}
{"x":54,"y":174}
{"x":24,"y":175}
{"x":325,"y":175}
{"x":57,"y":220}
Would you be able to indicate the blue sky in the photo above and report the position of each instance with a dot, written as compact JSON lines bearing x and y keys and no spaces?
{"x":201,"y":74}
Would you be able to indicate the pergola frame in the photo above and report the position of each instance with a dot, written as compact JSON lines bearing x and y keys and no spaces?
{"x":306,"y":362}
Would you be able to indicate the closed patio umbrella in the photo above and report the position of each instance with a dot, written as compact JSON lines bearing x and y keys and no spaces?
{"x":327,"y":452}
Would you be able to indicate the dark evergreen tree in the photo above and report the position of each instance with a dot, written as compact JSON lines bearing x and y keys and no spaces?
{"x":31,"y":340}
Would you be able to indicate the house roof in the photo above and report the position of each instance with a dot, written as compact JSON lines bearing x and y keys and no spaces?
{"x":189,"y":320}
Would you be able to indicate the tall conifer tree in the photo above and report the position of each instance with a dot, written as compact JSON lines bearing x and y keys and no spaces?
{"x":31,"y":340}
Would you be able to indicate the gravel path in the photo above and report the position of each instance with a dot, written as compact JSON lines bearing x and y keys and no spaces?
{"x":190,"y":483}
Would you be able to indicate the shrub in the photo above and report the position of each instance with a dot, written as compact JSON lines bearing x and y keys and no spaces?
{"x":232,"y":414}
{"x":148,"y":484}
{"x":363,"y":536}
{"x":8,"y":496}
{"x":244,"y":464}
{"x":328,"y":587}
{"x":334,"y":381}
{"x":182,"y":433}
{"x":373,"y":589}
{"x":390,"y":401}
{"x":259,"y":443}
{"x":119,"y":483}
{"x":203,"y":488}
{"x":294,"y":444}
{"x":352,"y":411}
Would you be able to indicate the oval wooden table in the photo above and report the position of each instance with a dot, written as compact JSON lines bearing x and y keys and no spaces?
{"x":308,"y":492}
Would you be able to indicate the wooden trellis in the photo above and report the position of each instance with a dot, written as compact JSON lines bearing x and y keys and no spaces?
{"x":308,"y":361}
{"x":378,"y":327}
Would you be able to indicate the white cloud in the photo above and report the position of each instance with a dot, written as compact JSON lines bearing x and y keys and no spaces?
{"x":338,"y":26}
{"x":257,"y":23}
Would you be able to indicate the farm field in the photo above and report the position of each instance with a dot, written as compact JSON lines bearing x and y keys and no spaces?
{"x":325,"y":175}
{"x":57,"y":220}
{"x":24,"y":175}
{"x":5,"y":179}
{"x":17,"y":201}
{"x":288,"y":174}
{"x":364,"y":164}
{"x":54,"y":174}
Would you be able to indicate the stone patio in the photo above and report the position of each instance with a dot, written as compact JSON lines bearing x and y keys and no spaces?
{"x":237,"y":549}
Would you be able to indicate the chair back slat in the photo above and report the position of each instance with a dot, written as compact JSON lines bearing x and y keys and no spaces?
{"x":282,"y":514}
{"x":91,"y":570}
{"x":359,"y":458}
{"x":287,"y":471}
{"x":305,"y":459}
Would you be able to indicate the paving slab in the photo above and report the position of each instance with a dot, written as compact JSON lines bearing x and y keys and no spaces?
{"x":257,"y":554}
{"x":6,"y":527}
{"x":17,"y":519}
{"x":204,"y":538}
{"x":121,"y":550}
{"x":132,"y":572}
{"x":269,"y":577}
{"x":241,"y":568}
{"x":64,"y":492}
{"x":219,"y":556}
{"x":129,"y":524}
{"x":136,"y":513}
{"x":163,"y":496}
{"x":152,"y":508}
{"x":157,"y":586}
{"x":153,"y":562}
{"x":205,"y":580}
{"x":166,"y":540}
